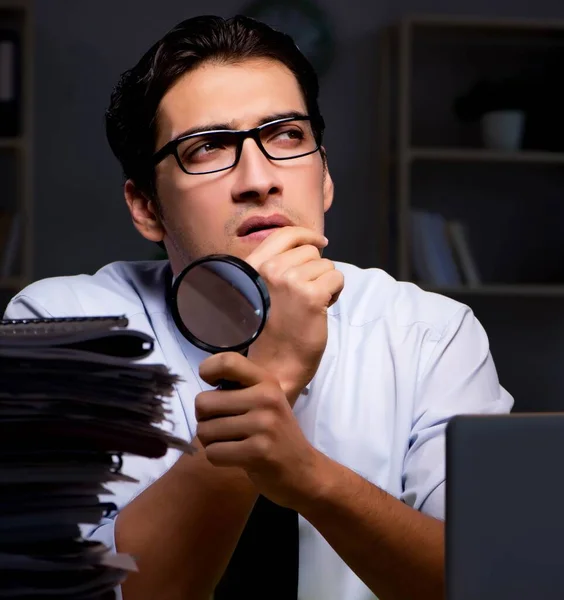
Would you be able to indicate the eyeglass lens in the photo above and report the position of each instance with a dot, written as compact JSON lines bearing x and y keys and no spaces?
{"x":218,"y":150}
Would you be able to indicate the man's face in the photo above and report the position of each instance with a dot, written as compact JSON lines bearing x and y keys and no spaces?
{"x":203,"y":214}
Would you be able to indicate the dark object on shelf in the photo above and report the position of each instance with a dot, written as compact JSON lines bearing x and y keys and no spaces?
{"x":539,"y":94}
{"x":10,"y":83}
{"x":488,"y":95}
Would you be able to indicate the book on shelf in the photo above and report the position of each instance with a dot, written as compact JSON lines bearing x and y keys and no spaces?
{"x":457,"y":232}
{"x":440,"y":251}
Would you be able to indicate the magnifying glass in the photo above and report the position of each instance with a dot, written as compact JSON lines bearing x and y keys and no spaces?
{"x":220,"y":304}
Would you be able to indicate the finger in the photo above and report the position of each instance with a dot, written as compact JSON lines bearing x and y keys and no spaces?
{"x":228,"y":454}
{"x":282,"y":240}
{"x":330,"y":285}
{"x":311,"y":270}
{"x":277,"y":265}
{"x":214,"y":404}
{"x":243,"y":453}
{"x":238,"y":427}
{"x":231,"y":428}
{"x":233,"y":367}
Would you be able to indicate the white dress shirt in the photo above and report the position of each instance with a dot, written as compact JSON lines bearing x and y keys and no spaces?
{"x":399,"y":363}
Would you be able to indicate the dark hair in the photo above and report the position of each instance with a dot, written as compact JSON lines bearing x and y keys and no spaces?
{"x":131,"y":116}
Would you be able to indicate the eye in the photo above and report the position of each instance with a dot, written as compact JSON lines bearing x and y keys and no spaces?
{"x":293,"y":134}
{"x":203,"y":148}
{"x":286,"y":134}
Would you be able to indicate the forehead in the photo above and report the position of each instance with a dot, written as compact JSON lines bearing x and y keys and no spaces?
{"x":239,"y":94}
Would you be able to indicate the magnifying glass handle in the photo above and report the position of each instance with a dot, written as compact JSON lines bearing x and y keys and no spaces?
{"x":225,"y":384}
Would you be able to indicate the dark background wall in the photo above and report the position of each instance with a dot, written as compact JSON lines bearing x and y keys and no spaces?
{"x":81,"y":221}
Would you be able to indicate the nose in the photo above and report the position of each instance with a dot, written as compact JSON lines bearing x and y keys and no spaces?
{"x":256,"y":177}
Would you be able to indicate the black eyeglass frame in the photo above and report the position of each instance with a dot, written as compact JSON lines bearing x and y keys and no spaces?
{"x":240,"y":136}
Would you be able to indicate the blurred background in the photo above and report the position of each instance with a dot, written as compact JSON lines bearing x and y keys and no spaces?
{"x":445,"y":139}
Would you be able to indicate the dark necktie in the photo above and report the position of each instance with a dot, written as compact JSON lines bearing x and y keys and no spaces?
{"x":265,"y":562}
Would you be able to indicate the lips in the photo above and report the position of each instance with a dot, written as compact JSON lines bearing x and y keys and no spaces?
{"x":256,"y":224}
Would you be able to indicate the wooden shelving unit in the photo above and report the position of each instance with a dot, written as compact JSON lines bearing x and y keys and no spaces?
{"x":17,"y":15}
{"x":404,"y":143}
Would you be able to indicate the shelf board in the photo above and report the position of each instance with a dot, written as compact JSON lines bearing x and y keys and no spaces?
{"x":518,"y":290}
{"x":486,"y":156}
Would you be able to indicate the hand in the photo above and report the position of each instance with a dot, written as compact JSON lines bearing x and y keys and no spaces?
{"x":302,"y":286}
{"x":254,"y":428}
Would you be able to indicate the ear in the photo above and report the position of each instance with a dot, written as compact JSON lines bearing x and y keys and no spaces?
{"x":144,"y":213}
{"x":328,"y":186}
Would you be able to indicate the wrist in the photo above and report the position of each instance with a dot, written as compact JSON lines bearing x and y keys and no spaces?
{"x":288,"y":382}
{"x":231,"y":480}
{"x":291,"y":390}
{"x":316,"y":484}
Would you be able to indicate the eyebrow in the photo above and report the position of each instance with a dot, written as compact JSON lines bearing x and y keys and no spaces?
{"x":230,"y":126}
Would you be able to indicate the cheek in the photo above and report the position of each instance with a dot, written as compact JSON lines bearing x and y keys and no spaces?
{"x":307,"y":195}
{"x":194,"y":217}
{"x":169,"y":186}
{"x":190,"y":202}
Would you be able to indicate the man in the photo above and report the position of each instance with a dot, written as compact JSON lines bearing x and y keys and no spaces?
{"x":346,"y":393}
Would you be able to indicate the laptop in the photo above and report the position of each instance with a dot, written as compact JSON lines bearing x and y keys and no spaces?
{"x":505,"y":507}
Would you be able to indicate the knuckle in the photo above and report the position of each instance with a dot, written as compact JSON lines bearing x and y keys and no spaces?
{"x":269,"y":269}
{"x":271,"y":392}
{"x":291,"y":276}
{"x":311,"y":251}
{"x":227,"y":361}
{"x":339,"y":280}
{"x":266,"y":421}
{"x":261,"y":447}
{"x":312,"y":298}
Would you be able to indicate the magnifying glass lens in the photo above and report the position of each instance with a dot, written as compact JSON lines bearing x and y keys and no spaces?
{"x":220,"y":303}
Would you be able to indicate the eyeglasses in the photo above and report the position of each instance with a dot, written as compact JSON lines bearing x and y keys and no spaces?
{"x":219,"y":150}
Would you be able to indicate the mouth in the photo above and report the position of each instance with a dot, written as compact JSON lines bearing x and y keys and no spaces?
{"x":262,"y":225}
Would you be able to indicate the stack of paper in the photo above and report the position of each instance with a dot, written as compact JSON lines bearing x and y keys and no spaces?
{"x":73,"y":399}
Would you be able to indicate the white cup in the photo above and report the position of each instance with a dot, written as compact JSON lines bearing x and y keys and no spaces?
{"x":503,"y":129}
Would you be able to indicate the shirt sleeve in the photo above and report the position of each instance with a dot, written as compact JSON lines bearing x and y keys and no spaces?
{"x":24,"y":307}
{"x":458,"y":377}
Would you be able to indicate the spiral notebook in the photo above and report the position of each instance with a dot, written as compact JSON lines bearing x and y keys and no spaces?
{"x":75,"y":395}
{"x":107,"y":336}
